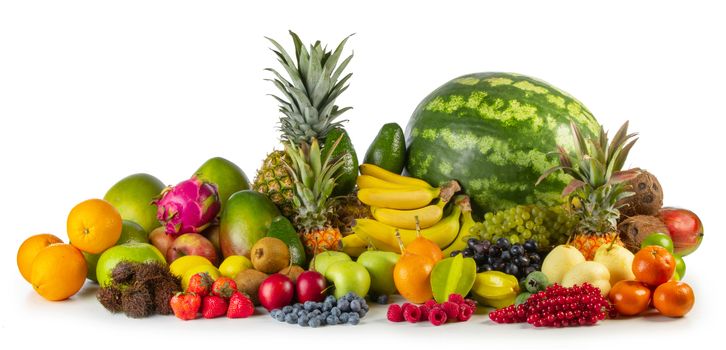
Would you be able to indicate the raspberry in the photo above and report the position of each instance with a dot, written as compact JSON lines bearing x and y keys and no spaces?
{"x":470,"y":303}
{"x":451,"y":308}
{"x":395,"y":314}
{"x":465,"y":313}
{"x":411,"y":313}
{"x":456,"y":298}
{"x":437,"y":316}
{"x":431,"y":304}
{"x":424,"y":312}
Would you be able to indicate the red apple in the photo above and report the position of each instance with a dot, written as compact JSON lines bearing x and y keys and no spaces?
{"x":310,"y":286}
{"x":684,"y":227}
{"x":159,"y":239}
{"x":192,"y":244}
{"x":276,"y":291}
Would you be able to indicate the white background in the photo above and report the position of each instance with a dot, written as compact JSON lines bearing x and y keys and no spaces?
{"x":92,"y":91}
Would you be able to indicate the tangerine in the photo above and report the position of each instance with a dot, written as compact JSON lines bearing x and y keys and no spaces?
{"x":425,"y":247}
{"x":674,"y":299}
{"x":630,"y":297}
{"x":30,"y":248}
{"x":653,"y":265}
{"x":412,"y":277}
{"x":94,"y":225}
{"x":58,"y":271}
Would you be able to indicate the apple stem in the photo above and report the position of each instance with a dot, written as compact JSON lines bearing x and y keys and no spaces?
{"x":400,"y":242}
{"x":613,"y":242}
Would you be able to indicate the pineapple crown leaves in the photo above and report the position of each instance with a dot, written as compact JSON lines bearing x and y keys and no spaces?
{"x":597,"y":209}
{"x":308,"y":97}
{"x":315,"y":174}
{"x":595,"y":163}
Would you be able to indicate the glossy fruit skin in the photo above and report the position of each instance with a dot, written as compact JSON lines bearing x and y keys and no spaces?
{"x":134,"y":252}
{"x":276,"y":292}
{"x":653,"y":265}
{"x":412,"y":277}
{"x":227,"y":176}
{"x":492,"y":132}
{"x":685,"y":229}
{"x":349,"y":171}
{"x":282,"y":229}
{"x":58,"y":272}
{"x":30,"y":248}
{"x":388,"y":149}
{"x":245,"y":220}
{"x":630,"y":297}
{"x":674,"y":299}
{"x":659,"y":239}
{"x":310,"y":286}
{"x":133,"y":195}
{"x":94,"y":225}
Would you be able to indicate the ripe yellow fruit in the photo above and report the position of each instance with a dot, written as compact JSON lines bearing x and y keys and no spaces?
{"x":179,"y":266}
{"x":30,"y":248}
{"x":58,"y":271}
{"x":233,"y":264}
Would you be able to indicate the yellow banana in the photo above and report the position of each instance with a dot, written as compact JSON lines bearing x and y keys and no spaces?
{"x":467,"y":222}
{"x":427,"y":216}
{"x":405,"y":198}
{"x":442,"y":234}
{"x":353,"y":245}
{"x":368,"y":181}
{"x":383,"y":174}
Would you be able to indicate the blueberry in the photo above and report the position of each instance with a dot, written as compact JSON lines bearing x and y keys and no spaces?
{"x":287,"y":309}
{"x":355,"y":306}
{"x":382,"y":299}
{"x":331,"y":320}
{"x":280,"y":317}
{"x":354,"y":319}
{"x":480,"y":248}
{"x":314,"y":322}
{"x":290,"y":318}
{"x":302,"y":321}
{"x":316,"y":312}
{"x":471,"y":243}
{"x":516,"y":250}
{"x":350,"y":296}
{"x":494,"y":251}
{"x":364,"y":304}
{"x":344,"y":305}
{"x":521,"y":261}
{"x":361,"y":313}
{"x":325,"y":314}
{"x":344,"y":317}
{"x":335,"y":311}
{"x":480,"y":258}
{"x":504,"y":243}
{"x":499,"y":265}
{"x":530,"y":245}
{"x":485,"y":245}
{"x":309,"y":305}
{"x":534,"y":258}
{"x":331,"y":299}
{"x":327,"y":306}
{"x":301,"y":312}
{"x":506,"y":256}
{"x":467,"y":253}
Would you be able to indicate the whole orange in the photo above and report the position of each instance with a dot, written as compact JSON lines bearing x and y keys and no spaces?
{"x":630,"y":297}
{"x":412,"y":277}
{"x":653,"y":265}
{"x":29,"y":250}
{"x":58,"y":272}
{"x":674,"y":299}
{"x":94,"y":225}
{"x":425,"y":247}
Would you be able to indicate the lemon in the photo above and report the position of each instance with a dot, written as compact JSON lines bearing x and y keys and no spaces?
{"x":233,"y":264}
{"x":181,"y":265}
{"x":209,"y":269}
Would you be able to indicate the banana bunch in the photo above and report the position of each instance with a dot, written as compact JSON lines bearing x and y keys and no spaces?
{"x":495,"y":288}
{"x":405,"y":204}
{"x":467,"y":223}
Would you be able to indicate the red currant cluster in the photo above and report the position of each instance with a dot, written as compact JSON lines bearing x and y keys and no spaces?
{"x":558,"y":306}
{"x":455,"y":309}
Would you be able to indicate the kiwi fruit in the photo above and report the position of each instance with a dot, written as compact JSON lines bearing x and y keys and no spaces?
{"x":270,"y":255}
{"x":248,"y":282}
{"x":292,"y":272}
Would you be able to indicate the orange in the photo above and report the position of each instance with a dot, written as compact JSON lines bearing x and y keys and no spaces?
{"x":425,"y":247}
{"x":630,"y":297}
{"x":30,"y":248}
{"x":94,"y":225}
{"x":674,"y":299}
{"x":58,"y":272}
{"x":412,"y":277}
{"x":653,"y":265}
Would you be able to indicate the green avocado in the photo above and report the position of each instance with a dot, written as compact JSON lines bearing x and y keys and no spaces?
{"x":227,"y":176}
{"x":349,"y":170}
{"x":388,"y":149}
{"x":282,"y":229}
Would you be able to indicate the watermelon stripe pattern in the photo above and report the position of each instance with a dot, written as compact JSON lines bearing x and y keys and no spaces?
{"x":494,"y":132}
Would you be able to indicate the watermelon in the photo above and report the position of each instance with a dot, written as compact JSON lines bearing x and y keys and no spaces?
{"x":494,"y":133}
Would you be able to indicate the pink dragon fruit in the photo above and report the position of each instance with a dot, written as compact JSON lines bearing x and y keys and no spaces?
{"x":188,"y":207}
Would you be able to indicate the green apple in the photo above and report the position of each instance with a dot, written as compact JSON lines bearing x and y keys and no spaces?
{"x":133,"y":252}
{"x":380,"y":266}
{"x":328,"y":258}
{"x":348,"y":276}
{"x":130,"y":232}
{"x":659,"y":239}
{"x":680,"y":266}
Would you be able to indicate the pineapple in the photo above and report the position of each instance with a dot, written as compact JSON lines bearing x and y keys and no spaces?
{"x":314,"y":174}
{"x":598,"y":184}
{"x":347,"y":209}
{"x":307,"y":103}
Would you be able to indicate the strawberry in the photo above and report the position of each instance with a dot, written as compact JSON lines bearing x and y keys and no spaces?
{"x":213,"y":306}
{"x":224,"y":287}
{"x":200,"y":284}
{"x":240,"y":306}
{"x":395,"y":313}
{"x":185,"y":305}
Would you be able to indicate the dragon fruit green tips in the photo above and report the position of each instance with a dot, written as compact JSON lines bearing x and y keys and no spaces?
{"x":188,"y":207}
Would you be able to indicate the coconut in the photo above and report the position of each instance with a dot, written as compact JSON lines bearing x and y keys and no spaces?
{"x":634,"y":230}
{"x":648,"y":197}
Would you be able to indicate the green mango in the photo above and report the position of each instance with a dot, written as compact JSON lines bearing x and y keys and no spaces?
{"x":388,"y":149}
{"x":246,"y":218}
{"x":132,"y":197}
{"x":227,"y":176}
{"x":349,"y":170}
{"x":282,"y":229}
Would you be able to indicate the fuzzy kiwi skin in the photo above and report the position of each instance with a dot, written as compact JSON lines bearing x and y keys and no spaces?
{"x":248,"y":282}
{"x":635,"y":229}
{"x":270,"y":255}
{"x":292,"y":272}
{"x":648,"y":197}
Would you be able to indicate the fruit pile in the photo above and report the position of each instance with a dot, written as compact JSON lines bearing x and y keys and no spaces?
{"x":561,"y":241}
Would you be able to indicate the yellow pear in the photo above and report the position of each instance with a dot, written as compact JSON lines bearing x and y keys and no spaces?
{"x":559,"y":261}
{"x":591,"y":272}
{"x":618,"y":260}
